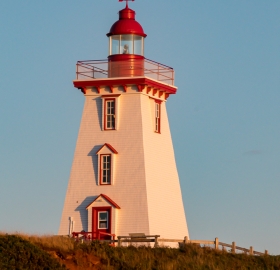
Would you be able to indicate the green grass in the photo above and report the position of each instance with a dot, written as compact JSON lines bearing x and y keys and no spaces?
{"x":188,"y":257}
{"x":17,"y":253}
{"x":31,"y":252}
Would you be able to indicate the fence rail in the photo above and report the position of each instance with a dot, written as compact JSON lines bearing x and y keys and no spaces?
{"x":233,"y":247}
{"x":142,"y":238}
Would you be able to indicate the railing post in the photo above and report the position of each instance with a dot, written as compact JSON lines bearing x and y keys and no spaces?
{"x":216,"y":243}
{"x":233,"y":248}
{"x":186,"y":239}
{"x":156,"y":241}
{"x":114,"y":240}
{"x":119,"y":241}
{"x":251,"y":250}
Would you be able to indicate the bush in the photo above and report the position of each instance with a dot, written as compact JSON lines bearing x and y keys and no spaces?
{"x":17,"y":253}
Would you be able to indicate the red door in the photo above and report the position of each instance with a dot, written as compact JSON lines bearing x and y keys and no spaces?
{"x":101,"y":222}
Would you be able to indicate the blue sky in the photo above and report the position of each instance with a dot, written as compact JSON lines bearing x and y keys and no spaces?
{"x":224,"y":119}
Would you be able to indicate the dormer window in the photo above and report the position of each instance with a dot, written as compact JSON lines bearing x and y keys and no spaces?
{"x":106,"y":159}
{"x":106,"y":169}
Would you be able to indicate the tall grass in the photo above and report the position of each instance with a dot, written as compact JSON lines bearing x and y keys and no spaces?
{"x":17,"y":253}
{"x":187,"y":257}
{"x":102,"y":256}
{"x":48,"y":242}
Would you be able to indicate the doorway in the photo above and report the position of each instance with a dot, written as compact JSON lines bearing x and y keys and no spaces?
{"x":101,"y":222}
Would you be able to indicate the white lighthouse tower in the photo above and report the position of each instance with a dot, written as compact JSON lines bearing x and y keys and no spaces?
{"x":124,"y":177}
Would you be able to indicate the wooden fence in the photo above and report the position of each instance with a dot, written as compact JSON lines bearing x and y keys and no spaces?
{"x":142,"y":238}
{"x":216,"y":243}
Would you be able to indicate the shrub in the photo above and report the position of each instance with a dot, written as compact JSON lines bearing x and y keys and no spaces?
{"x":17,"y":253}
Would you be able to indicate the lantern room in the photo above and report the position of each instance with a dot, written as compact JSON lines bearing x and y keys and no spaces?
{"x":126,"y":46}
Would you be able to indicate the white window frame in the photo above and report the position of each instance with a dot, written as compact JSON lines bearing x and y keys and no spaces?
{"x":106,"y":150}
{"x":106,"y":99}
{"x":110,"y":114}
{"x":107,"y":169}
{"x":98,"y":222}
{"x":157,"y":116}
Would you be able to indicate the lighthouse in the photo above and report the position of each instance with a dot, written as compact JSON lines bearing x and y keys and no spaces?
{"x":124,"y":178}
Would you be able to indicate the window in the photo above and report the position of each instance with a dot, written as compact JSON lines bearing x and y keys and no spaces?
{"x":110,"y":104}
{"x":106,"y":159}
{"x":106,"y":164}
{"x":103,"y":220}
{"x":126,"y":44}
{"x":109,"y":111}
{"x":157,"y":116}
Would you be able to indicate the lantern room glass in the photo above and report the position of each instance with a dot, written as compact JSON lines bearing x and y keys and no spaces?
{"x":115,"y":44}
{"x":138,"y":45}
{"x":126,"y":44}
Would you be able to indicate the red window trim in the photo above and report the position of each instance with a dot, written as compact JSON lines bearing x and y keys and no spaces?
{"x":109,"y":146}
{"x":107,"y":198}
{"x":105,"y":113}
{"x":111,"y":96}
{"x":101,"y":170}
{"x":156,"y":100}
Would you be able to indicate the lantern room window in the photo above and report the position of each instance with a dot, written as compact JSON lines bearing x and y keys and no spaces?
{"x":138,"y":45}
{"x":114,"y":45}
{"x":126,"y":44}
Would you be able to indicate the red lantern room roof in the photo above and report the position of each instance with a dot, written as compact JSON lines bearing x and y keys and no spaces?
{"x":126,"y":24}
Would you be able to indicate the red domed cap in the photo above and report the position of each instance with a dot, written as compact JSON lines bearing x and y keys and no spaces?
{"x":126,"y":24}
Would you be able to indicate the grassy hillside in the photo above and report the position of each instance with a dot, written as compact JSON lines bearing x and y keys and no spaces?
{"x":50,"y":252}
{"x":17,"y":253}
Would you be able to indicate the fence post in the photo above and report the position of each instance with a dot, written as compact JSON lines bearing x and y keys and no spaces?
{"x":186,"y":240}
{"x":266,"y":252}
{"x":119,"y":241}
{"x":156,"y":241}
{"x":251,"y":251}
{"x":233,"y":247}
{"x":216,"y":243}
